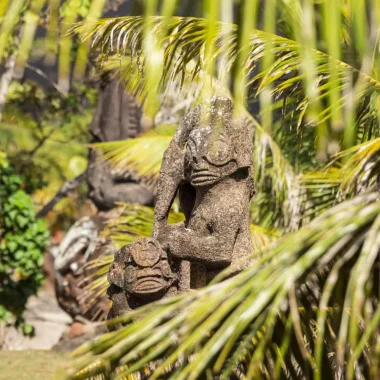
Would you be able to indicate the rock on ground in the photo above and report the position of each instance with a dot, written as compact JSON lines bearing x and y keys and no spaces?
{"x":49,"y":322}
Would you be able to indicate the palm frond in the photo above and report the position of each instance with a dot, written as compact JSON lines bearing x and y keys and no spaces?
{"x":241,"y":324}
{"x":19,"y":21}
{"x":337,"y":182}
{"x":321,"y":188}
{"x":186,"y":42}
{"x":185,"y":89}
{"x":142,"y":154}
{"x":277,"y":184}
{"x":12,"y":14}
{"x":262,"y":237}
{"x":361,"y":169}
{"x":135,"y":221}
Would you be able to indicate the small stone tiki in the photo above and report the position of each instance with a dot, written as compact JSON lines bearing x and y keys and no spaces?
{"x":209,"y":166}
{"x":140,"y":273}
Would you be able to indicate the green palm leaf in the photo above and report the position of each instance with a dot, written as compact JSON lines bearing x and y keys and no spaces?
{"x":19,"y":20}
{"x":186,"y":42}
{"x":142,"y":154}
{"x":184,"y":89}
{"x":135,"y":221}
{"x":337,"y":182}
{"x":361,"y":170}
{"x":240,"y":324}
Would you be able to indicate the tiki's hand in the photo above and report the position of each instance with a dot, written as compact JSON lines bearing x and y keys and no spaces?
{"x":177,"y":238}
{"x":169,"y":233}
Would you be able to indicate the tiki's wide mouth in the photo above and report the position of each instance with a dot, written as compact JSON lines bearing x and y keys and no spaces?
{"x":149,"y":284}
{"x":203,"y":177}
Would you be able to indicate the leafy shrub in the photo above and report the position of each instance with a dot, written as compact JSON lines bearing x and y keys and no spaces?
{"x":22,"y":242}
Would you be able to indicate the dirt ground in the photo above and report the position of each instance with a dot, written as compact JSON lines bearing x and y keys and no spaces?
{"x":31,"y":364}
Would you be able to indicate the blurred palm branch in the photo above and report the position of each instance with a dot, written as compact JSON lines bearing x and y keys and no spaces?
{"x":19,"y":24}
{"x":183,"y":42}
{"x":308,"y":305}
{"x":299,"y":310}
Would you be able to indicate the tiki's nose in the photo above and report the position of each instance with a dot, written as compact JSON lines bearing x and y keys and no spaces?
{"x":200,"y":163}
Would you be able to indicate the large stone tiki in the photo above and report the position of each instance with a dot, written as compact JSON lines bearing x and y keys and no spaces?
{"x":209,"y":166}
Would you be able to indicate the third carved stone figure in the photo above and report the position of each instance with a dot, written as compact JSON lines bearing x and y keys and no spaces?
{"x":209,"y":165}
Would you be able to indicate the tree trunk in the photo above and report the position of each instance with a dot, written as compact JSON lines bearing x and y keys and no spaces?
{"x":62,"y":193}
{"x":6,"y":76}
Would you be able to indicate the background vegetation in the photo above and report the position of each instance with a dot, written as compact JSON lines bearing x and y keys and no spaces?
{"x":306,"y":74}
{"x":44,"y":116}
{"x":22,"y":245}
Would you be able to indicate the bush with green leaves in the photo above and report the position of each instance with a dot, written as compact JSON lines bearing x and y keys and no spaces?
{"x":22,"y":242}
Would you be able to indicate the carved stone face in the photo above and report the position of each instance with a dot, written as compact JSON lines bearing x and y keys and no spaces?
{"x":209,"y":156}
{"x":148,"y":270}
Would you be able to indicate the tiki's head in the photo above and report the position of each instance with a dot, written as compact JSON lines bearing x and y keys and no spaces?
{"x":218,"y":145}
{"x":147,"y":271}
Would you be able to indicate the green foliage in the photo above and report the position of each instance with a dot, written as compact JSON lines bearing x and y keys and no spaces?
{"x":22,"y":244}
{"x":308,"y":91}
{"x":283,"y":315}
{"x":19,"y":21}
{"x":309,"y":306}
{"x":135,"y":221}
{"x":146,"y":165}
{"x":45,"y":137}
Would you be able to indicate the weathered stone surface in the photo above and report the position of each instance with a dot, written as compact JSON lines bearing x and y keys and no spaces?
{"x":108,"y":187}
{"x":141,"y":273}
{"x":209,"y":165}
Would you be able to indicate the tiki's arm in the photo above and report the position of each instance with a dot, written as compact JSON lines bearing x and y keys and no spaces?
{"x":213,"y":250}
{"x":172,"y":171}
{"x":171,"y":175}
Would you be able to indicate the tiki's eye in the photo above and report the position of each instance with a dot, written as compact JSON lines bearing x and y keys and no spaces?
{"x":219,"y":151}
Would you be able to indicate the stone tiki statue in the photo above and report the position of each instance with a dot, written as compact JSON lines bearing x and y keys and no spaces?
{"x":209,"y":166}
{"x":141,"y":273}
